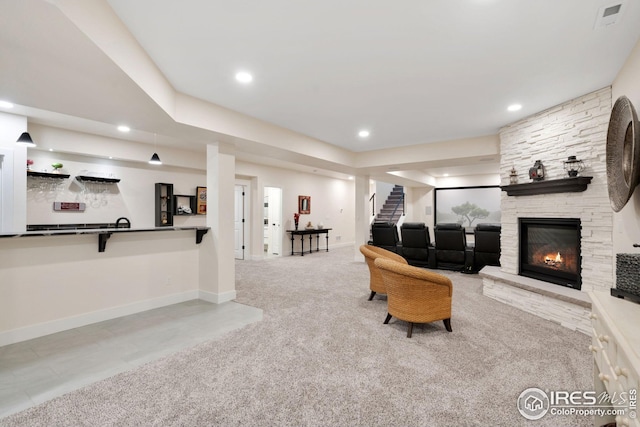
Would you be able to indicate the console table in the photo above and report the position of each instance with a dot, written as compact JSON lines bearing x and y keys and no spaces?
{"x":310,"y":232}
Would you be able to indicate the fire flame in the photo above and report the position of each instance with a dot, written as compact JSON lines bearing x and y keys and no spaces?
{"x":553,"y":261}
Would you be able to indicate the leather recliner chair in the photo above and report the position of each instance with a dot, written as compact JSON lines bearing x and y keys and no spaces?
{"x":415,"y":243}
{"x":451,"y":251}
{"x":385,"y":235}
{"x":486,"y":250}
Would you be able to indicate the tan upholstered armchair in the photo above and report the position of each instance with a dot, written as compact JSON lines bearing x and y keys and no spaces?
{"x":415,"y":295}
{"x":371,"y":253}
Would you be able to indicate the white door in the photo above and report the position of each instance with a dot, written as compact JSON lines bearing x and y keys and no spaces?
{"x":239,"y":221}
{"x":273,"y":229}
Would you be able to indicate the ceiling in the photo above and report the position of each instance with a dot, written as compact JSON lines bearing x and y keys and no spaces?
{"x":410,"y":72}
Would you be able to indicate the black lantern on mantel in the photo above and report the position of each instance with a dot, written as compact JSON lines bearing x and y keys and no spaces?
{"x":536,"y":173}
{"x":573,"y":166}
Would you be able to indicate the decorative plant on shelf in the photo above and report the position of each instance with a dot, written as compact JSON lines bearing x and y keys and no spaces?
{"x":29,"y":163}
{"x":56,"y":167}
{"x":296,"y":218}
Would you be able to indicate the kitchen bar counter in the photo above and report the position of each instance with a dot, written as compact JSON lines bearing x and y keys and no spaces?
{"x":104,"y":233}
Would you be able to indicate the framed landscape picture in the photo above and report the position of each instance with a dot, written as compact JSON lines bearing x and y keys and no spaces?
{"x":467,"y":205}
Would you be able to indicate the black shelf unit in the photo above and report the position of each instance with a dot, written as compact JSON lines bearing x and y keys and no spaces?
{"x":47,"y":175}
{"x":97,"y":179}
{"x":164,"y":204}
{"x":179,"y":200}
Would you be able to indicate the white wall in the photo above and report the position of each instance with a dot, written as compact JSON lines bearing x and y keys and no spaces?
{"x":626,"y":223}
{"x":132,"y":197}
{"x":331,"y":203}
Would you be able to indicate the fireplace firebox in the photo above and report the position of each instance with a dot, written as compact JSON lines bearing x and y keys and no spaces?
{"x":550,"y":250}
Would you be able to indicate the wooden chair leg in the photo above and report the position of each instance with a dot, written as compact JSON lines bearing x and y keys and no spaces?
{"x":371,"y":296}
{"x":447,"y":324}
{"x":386,"y":321}
{"x":410,"y":330}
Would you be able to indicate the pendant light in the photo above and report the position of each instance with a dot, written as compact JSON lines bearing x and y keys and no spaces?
{"x":25,"y":140}
{"x":155,"y":159}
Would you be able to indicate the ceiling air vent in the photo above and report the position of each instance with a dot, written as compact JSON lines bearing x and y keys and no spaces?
{"x":608,"y":15}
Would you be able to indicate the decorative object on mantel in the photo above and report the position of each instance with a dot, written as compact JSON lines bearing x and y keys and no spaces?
{"x":296,"y":218}
{"x":627,"y":277}
{"x":29,"y":163}
{"x":536,"y":173}
{"x":320,"y":226}
{"x":573,"y":166}
{"x":309,"y":226}
{"x":513,"y":176}
{"x":623,"y":153}
{"x":565,"y":185}
{"x":56,"y":167}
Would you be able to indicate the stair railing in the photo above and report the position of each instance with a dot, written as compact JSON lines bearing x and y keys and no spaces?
{"x":397,"y":205}
{"x":372,"y":203}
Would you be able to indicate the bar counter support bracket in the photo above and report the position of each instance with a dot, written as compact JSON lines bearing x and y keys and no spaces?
{"x":102,"y":241}
{"x":199,"y":233}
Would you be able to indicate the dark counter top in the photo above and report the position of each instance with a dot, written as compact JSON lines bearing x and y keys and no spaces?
{"x":104,"y":233}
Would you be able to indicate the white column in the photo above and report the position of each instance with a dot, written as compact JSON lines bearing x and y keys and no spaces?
{"x":362,"y":214}
{"x":14,"y":175}
{"x":217,"y":263}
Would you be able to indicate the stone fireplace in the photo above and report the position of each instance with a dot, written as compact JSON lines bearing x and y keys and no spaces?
{"x":575,"y":128}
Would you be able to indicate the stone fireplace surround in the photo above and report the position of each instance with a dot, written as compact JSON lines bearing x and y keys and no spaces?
{"x":577,"y":127}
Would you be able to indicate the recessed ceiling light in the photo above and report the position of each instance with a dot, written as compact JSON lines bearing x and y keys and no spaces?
{"x":350,"y":178}
{"x":364,"y":133}
{"x":244,"y":77}
{"x":6,"y":104}
{"x":445,"y":174}
{"x":514,"y":107}
{"x":50,"y":149}
{"x":123,"y":128}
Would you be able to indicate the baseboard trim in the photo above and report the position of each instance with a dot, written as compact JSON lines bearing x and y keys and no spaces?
{"x":217,"y":298}
{"x":41,"y":329}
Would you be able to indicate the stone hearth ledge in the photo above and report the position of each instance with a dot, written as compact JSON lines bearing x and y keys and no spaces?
{"x":568,"y":307}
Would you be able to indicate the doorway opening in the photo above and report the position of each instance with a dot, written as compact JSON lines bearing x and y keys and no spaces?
{"x":272,"y":221}
{"x":240,"y":223}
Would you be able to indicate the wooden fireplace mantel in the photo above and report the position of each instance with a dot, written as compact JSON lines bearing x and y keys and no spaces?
{"x":564,"y":185}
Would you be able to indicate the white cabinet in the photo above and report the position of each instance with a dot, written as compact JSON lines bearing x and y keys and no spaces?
{"x":615,"y":345}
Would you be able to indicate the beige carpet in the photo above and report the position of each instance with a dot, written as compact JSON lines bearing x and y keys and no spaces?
{"x":322,"y":357}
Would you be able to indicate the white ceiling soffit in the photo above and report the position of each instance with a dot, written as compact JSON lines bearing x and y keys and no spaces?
{"x":411,"y":72}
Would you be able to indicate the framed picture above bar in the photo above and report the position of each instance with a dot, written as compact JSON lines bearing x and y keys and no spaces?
{"x":304,"y":205}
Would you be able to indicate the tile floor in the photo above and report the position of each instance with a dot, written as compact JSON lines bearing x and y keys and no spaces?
{"x":34,"y":371}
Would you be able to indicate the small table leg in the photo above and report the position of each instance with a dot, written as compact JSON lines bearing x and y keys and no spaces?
{"x":327,"y":236}
{"x":302,"y":245}
{"x":292,"y":244}
{"x":310,"y":243}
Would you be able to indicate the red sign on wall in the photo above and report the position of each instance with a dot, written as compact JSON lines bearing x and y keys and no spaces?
{"x":69,"y":206}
